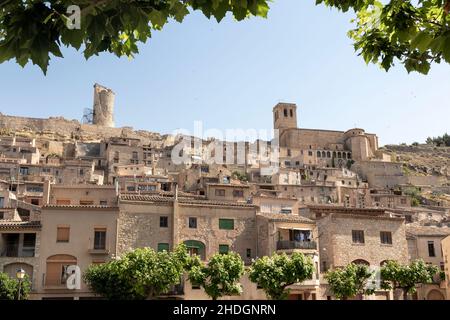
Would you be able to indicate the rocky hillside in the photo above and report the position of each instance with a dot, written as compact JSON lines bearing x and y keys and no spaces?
{"x":422,"y":159}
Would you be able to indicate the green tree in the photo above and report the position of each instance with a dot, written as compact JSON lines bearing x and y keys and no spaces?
{"x":274,"y":274}
{"x":350,"y":281}
{"x":220,"y":276}
{"x":240,"y":176}
{"x":9,"y":288}
{"x":443,"y":141}
{"x":415,"y":33}
{"x":406,"y":277}
{"x":33,"y":30}
{"x":139,"y":274}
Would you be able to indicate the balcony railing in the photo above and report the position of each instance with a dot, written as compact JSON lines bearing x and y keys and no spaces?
{"x":288,"y":245}
{"x":12,"y":251}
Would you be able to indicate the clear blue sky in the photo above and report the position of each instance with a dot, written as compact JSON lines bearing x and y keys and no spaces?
{"x":230,"y":75}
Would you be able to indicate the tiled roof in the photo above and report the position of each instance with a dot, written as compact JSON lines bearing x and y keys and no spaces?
{"x":11,"y":224}
{"x":427,"y":230}
{"x":182,"y":200}
{"x":76,"y":206}
{"x":278,"y":217}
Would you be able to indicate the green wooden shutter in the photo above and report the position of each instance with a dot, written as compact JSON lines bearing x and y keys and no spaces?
{"x":224,"y":248}
{"x":226,"y":224}
{"x":163,"y":246}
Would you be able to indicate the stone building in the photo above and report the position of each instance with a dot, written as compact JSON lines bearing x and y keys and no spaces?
{"x":424,"y":243}
{"x":445,"y":243}
{"x":20,"y":237}
{"x":361,"y":236}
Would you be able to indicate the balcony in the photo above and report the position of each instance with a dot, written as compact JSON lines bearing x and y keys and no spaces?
{"x":99,"y":251}
{"x":291,"y":245}
{"x":12,"y":251}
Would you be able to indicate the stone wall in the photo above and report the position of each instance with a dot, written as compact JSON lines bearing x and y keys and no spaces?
{"x":336,"y":237}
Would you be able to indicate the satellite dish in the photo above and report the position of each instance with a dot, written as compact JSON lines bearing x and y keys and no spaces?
{"x":88,"y":116}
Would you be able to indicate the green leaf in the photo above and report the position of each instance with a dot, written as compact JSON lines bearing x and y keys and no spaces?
{"x":421,"y":41}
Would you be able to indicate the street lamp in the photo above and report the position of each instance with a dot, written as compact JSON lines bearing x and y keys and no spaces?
{"x":20,"y":274}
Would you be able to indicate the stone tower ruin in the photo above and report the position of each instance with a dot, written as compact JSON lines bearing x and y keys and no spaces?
{"x":103,"y":106}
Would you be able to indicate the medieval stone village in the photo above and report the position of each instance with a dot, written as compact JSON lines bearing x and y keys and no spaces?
{"x":84,"y":192}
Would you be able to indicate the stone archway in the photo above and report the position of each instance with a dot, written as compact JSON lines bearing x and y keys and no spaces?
{"x":435,"y":295}
{"x":11,"y":269}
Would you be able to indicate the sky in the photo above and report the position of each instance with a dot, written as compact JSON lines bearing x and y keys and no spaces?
{"x":230,"y":75}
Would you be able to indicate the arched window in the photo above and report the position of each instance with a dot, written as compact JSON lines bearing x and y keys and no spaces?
{"x":329,"y":154}
{"x":344,"y":155}
{"x":324,"y":154}
{"x":361,"y":261}
{"x":339,"y":155}
{"x":319,"y":154}
{"x":285,"y":113}
{"x":334,"y":154}
{"x":196,"y":248}
{"x":435,"y":295}
{"x":382,"y":263}
{"x":11,"y":270}
{"x":57,"y":265}
{"x":291,"y":112}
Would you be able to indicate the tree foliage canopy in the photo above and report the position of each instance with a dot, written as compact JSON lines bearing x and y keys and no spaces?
{"x":443,"y":141}
{"x":406,"y":277}
{"x":350,"y":281}
{"x":220,"y":276}
{"x":274,"y":274}
{"x":9,"y":288}
{"x":416,"y":33}
{"x":139,"y":274}
{"x":35,"y":29}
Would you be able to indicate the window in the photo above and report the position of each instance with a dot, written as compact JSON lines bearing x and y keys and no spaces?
{"x":226,"y":224}
{"x":57,"y":269}
{"x":100,"y":238}
{"x":195,"y":247}
{"x":249,"y":253}
{"x":24,"y":171}
{"x":224,"y":248}
{"x":324,"y":266}
{"x":358,"y":236}
{"x":2,"y":215}
{"x":62,"y":234}
{"x":2,"y":202}
{"x":310,"y":153}
{"x":220,"y":192}
{"x":192,"y":223}
{"x":86,"y":202}
{"x":81,"y":172}
{"x":291,"y":113}
{"x":29,"y":240}
{"x":289,"y":153}
{"x":163,"y":222}
{"x":135,"y":155}
{"x":35,"y":202}
{"x":431,"y":251}
{"x":285,"y":113}
{"x":163,"y":247}
{"x":103,"y":202}
{"x":238,"y":193}
{"x":386,"y":237}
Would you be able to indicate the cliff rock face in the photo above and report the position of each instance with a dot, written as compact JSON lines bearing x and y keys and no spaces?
{"x":61,"y":129}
